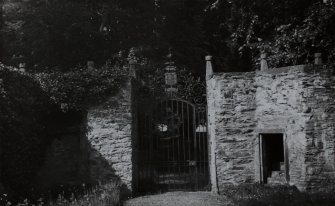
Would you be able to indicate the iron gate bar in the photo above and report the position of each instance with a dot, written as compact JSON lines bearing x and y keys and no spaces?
{"x":188,"y":138}
{"x":197,"y":142}
{"x":173,"y":144}
{"x":168,"y":148}
{"x":195,"y":148}
{"x":173,"y":156}
{"x":179,"y":175}
{"x":202,"y":142}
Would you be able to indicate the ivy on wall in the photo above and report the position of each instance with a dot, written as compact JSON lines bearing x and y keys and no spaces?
{"x":82,"y":87}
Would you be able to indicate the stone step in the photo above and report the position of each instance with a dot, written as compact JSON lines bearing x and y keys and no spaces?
{"x":277,"y":181}
{"x":275,"y":174}
{"x":277,"y":177}
{"x":282,"y":166}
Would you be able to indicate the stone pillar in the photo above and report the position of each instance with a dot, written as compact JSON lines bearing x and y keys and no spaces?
{"x":209,"y":67}
{"x":110,"y":138}
{"x":211,"y":127}
{"x":132,"y":60}
{"x":318,"y":58}
{"x":264,"y":63}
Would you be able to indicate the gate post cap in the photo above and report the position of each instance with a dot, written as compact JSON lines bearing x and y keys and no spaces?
{"x":318,"y":58}
{"x":264,"y":63}
{"x":209,"y":67}
{"x":208,"y":58}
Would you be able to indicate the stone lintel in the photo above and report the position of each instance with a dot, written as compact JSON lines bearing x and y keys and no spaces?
{"x":269,"y":131}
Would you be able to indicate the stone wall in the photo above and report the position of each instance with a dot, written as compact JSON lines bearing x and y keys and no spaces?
{"x":94,"y":147}
{"x":319,"y":92}
{"x":231,"y":108}
{"x":111,"y":139}
{"x":296,"y":101}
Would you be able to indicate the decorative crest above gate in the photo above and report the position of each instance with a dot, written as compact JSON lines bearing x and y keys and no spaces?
{"x":170,"y":77}
{"x":172,"y":81}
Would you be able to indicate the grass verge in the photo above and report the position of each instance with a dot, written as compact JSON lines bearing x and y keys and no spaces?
{"x":265,"y":195}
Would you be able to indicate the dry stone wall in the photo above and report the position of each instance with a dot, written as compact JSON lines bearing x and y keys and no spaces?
{"x":95,"y":146}
{"x":231,"y":125}
{"x":295,"y":101}
{"x":110,"y":139}
{"x":319,"y":93}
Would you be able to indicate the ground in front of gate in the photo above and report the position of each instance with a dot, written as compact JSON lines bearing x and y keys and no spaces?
{"x":180,"y":199}
{"x":242,"y":195}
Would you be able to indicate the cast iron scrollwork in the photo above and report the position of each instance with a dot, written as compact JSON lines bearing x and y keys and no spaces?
{"x":189,"y":88}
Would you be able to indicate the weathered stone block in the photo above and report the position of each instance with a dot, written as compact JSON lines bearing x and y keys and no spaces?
{"x":111,"y":139}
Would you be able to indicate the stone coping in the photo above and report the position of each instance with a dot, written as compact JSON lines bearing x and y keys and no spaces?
{"x":305,"y":67}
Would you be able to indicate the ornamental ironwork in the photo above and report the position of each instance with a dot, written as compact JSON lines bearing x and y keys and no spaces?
{"x":187,"y":86}
{"x":172,"y":130}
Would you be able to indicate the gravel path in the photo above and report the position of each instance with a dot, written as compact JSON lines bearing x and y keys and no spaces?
{"x":180,"y":199}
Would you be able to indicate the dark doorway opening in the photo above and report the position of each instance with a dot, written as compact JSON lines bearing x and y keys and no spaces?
{"x":273,"y":164}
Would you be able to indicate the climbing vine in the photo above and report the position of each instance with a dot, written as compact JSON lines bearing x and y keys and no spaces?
{"x":82,"y":86}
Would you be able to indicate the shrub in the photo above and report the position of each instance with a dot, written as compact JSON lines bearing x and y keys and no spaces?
{"x":99,"y":195}
{"x":24,"y":111}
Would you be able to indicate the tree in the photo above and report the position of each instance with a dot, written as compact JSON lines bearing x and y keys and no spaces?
{"x":61,"y":34}
{"x":289,"y":31}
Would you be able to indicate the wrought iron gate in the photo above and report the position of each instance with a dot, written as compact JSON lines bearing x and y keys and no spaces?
{"x":173,"y":146}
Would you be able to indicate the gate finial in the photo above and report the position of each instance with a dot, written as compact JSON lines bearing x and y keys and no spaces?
{"x":318,"y":58}
{"x":132,"y":63}
{"x":209,"y":67}
{"x":264,"y":63}
{"x":170,"y":75}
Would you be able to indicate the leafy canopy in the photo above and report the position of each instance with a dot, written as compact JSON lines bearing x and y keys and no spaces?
{"x":59,"y":34}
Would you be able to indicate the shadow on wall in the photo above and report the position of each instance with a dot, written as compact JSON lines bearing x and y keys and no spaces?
{"x":102,"y":172}
{"x":63,"y":159}
{"x":25,"y":130}
{"x":43,"y":149}
{"x":70,"y":161}
{"x":78,"y":183}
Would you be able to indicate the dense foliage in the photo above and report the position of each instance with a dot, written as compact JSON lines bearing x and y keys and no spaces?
{"x":265,"y":195}
{"x":62,"y":33}
{"x":25,"y":111}
{"x":82,"y":86}
{"x":289,"y":31}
